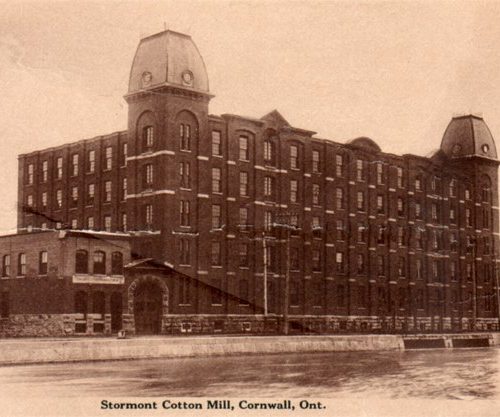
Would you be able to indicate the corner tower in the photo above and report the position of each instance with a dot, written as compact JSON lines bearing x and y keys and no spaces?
{"x":167,"y":98}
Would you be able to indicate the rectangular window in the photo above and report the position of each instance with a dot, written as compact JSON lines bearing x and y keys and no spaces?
{"x":468,"y":217}
{"x":185,"y":252}
{"x":360,"y":263}
{"x":216,"y":254}
{"x":418,"y":184}
{"x":453,"y":270}
{"x":400,"y":179}
{"x":29,"y":200}
{"x":339,"y":197}
{"x":31,"y":170}
{"x":401,"y":207}
{"x":360,"y":172}
{"x":90,"y":223}
{"x":149,"y":216}
{"x":216,"y":143}
{"x":124,"y":189}
{"x":44,"y":199}
{"x":401,"y":236}
{"x":380,"y":173}
{"x":185,"y":174}
{"x":380,"y":204}
{"x":216,"y":180}
{"x":268,"y":221}
{"x":243,"y":218}
{"x":316,"y":260}
{"x":59,"y":199}
{"x":45,"y":171}
{"x":434,"y":211}
{"x":268,"y":153}
{"x":360,"y":201}
{"x":124,"y":222}
{"x":316,"y":194}
{"x":340,"y":226}
{"x":340,"y":263}
{"x":244,"y":154}
{"x":59,"y":168}
{"x":185,"y":136}
{"x":268,"y":187}
{"x":453,"y":188}
{"x":91,"y":161}
{"x":148,"y":137}
{"x":6,"y":266}
{"x":294,"y":157}
{"x":124,"y":154}
{"x":243,"y":254}
{"x":452,"y":216}
{"x":243,"y":184}
{"x":294,"y":188}
{"x":74,"y":196}
{"x":362,"y":233}
{"x":185,"y":213}
{"x":315,"y":161}
{"x":147,"y":176}
{"x":339,"y":165}
{"x":90,"y":194}
{"x":216,"y":216}
{"x":380,"y":265}
{"x":107,"y":223}
{"x":467,"y":193}
{"x":419,"y":273}
{"x":75,"y":165}
{"x":107,"y":191}
{"x":21,"y":264}
{"x":74,"y":224}
{"x":294,"y":259}
{"x":402,"y":266}
{"x":418,"y":210}
{"x":108,"y":163}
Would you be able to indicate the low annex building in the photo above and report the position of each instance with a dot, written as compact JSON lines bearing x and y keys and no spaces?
{"x":237,"y":224}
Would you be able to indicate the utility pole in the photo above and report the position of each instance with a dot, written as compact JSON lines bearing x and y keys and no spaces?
{"x":474,"y":283}
{"x":264,"y":248}
{"x":497,"y":291}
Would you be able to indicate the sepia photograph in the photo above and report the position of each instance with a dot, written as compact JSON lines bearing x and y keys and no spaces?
{"x":249,"y":208}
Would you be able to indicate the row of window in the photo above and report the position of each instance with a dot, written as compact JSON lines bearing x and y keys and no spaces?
{"x":75,"y":164}
{"x":43,"y":262}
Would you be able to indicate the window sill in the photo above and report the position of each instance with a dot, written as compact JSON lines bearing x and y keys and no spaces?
{"x":186,"y":150}
{"x":184,"y":305}
{"x":216,"y":305}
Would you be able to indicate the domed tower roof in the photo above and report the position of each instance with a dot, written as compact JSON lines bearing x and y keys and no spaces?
{"x":168,"y":58}
{"x":468,"y":136}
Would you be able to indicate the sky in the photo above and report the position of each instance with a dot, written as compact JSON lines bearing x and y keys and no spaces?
{"x":393,"y":71}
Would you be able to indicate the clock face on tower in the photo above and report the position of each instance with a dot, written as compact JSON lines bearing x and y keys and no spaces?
{"x":187,"y":78}
{"x":456,"y":149}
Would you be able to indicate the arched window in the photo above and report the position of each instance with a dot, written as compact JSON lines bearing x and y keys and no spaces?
{"x":486,"y":189}
{"x":6,"y":266}
{"x":21,"y":264}
{"x":81,"y":302}
{"x":42,"y":262}
{"x":116,"y":263}
{"x":148,"y":137}
{"x":81,"y":262}
{"x":99,"y":262}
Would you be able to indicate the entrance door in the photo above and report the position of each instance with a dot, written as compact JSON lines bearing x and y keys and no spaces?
{"x":116,"y":312}
{"x":147,"y":308}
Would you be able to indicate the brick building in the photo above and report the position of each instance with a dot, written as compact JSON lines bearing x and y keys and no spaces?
{"x":349,"y":237}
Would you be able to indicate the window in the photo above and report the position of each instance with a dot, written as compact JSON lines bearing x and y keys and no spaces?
{"x":294,"y":188}
{"x":401,"y":207}
{"x":316,"y":226}
{"x":269,"y":152}
{"x":486,"y":191}
{"x":360,"y":264}
{"x":380,"y":173}
{"x":243,"y":184}
{"x":243,"y":218}
{"x":419,"y":269}
{"x":107,"y":191}
{"x":216,"y":180}
{"x":467,"y":193}
{"x":360,"y":172}
{"x":74,"y":196}
{"x":243,"y":142}
{"x":453,"y":270}
{"x":453,"y":188}
{"x":124,"y":189}
{"x":418,"y":184}
{"x":402,"y":266}
{"x":216,"y":143}
{"x":185,"y":213}
{"x":362,"y":233}
{"x":294,"y":259}
{"x":243,"y":254}
{"x":435,"y":270}
{"x":486,"y":218}
{"x":185,"y":174}
{"x":468,"y":217}
{"x":316,"y":260}
{"x":380,"y":204}
{"x":339,"y":198}
{"x":44,"y":199}
{"x":31,"y":169}
{"x":436,"y":184}
{"x":381,"y":234}
{"x":91,"y":161}
{"x":418,"y":210}
{"x":380,"y":265}
{"x":148,"y":137}
{"x":271,"y":260}
{"x":400,"y":179}
{"x":6,"y":266}
{"x":339,"y":165}
{"x":124,"y":154}
{"x":468,"y":271}
{"x":58,"y":225}
{"x":75,"y":165}
{"x":294,"y":157}
{"x":107,"y":223}
{"x":21,"y":264}
{"x":44,"y":226}
{"x":268,"y":221}
{"x":185,"y":251}
{"x":147,"y":176}
{"x":339,"y":260}
{"x":341,"y":235}
{"x":45,"y":171}
{"x":99,"y":262}
{"x":452,"y":216}
{"x":116,"y":263}
{"x":90,"y":194}
{"x":419,"y":238}
{"x":74,"y":224}
{"x":360,"y":201}
{"x":90,"y":223}
{"x":29,"y":200}
{"x":149,"y":216}
{"x":185,"y":136}
{"x":59,"y":168}
{"x":315,"y":161}
{"x":216,"y":254}
{"x":316,"y":194}
{"x":453,"y":241}
{"x":216,"y":216}
{"x":108,"y":157}
{"x":42,"y":263}
{"x":124,"y":222}
{"x":268,"y":186}
{"x":401,"y":236}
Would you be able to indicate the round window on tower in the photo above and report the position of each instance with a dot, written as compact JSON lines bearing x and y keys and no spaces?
{"x":456,"y":149}
{"x":187,"y":78}
{"x":147,"y":78}
{"x":485,"y":148}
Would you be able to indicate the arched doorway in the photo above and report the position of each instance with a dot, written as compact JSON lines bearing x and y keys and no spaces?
{"x":148,"y":307}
